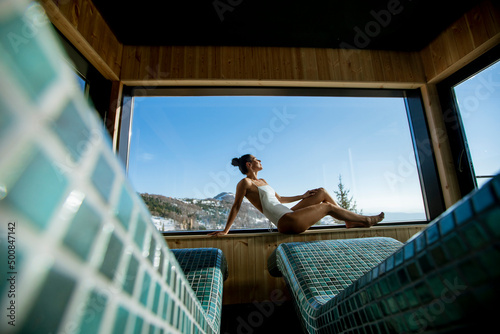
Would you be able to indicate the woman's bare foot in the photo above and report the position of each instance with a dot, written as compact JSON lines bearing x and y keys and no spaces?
{"x":371,"y":221}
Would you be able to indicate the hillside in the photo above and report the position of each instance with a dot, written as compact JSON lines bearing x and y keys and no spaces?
{"x":189,"y":214}
{"x":195,"y":214}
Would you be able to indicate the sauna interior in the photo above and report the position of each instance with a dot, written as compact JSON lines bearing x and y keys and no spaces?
{"x":416,"y":50}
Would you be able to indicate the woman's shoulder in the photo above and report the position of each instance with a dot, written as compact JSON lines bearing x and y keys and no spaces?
{"x":245,"y":182}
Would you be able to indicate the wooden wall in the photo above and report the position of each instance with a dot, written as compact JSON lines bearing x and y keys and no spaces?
{"x":466,"y":39}
{"x":145,"y":65}
{"x":470,"y":36}
{"x":247,"y":255}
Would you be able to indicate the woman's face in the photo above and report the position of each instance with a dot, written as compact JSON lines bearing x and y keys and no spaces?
{"x":255,"y":164}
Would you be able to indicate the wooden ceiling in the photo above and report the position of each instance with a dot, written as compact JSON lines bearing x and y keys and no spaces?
{"x":399,"y":25}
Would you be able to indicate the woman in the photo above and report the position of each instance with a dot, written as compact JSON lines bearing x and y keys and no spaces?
{"x":314,"y":204}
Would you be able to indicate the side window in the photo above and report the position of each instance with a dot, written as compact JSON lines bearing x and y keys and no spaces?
{"x":82,"y":83}
{"x":478,"y":100}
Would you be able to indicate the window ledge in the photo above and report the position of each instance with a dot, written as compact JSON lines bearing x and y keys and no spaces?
{"x":339,"y":230}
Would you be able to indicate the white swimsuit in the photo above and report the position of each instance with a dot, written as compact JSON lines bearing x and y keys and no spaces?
{"x":272,"y":207}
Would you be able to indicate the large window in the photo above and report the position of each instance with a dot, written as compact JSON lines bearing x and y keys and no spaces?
{"x":180,"y":149}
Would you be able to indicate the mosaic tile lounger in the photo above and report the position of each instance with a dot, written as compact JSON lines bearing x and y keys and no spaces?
{"x":79,"y":253}
{"x":445,"y":279}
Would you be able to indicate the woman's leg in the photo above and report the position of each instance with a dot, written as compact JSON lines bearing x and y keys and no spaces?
{"x":322,"y":196}
{"x":301,"y":219}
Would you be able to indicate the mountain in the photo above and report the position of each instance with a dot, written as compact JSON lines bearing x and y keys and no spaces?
{"x":227,"y":197}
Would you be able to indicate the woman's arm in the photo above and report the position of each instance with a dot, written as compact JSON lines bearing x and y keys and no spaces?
{"x":238,"y":199}
{"x":291,"y":199}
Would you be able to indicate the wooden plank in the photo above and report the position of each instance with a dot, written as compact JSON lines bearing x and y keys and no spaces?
{"x":461,"y":37}
{"x":476,"y":21}
{"x":114,"y":115}
{"x":286,"y":60}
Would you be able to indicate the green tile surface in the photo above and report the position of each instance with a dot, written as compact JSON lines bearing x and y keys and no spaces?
{"x":443,"y":280}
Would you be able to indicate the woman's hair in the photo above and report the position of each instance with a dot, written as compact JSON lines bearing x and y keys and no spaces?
{"x":241,"y":162}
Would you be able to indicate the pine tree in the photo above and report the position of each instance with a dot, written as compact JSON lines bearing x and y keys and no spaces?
{"x":343,"y":199}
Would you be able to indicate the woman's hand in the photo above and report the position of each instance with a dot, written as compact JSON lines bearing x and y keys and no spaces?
{"x":309,"y":193}
{"x":217,"y":233}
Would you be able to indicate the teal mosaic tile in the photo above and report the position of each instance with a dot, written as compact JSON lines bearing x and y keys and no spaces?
{"x":34,"y":74}
{"x":93,"y":313}
{"x":40,"y":175}
{"x":5,"y":119}
{"x":420,"y":242}
{"x":454,"y":245}
{"x":124,"y":209}
{"x":463,"y":212}
{"x":474,"y":234}
{"x":120,"y":321}
{"x":72,"y":131}
{"x":483,"y":199}
{"x":57,"y":289}
{"x":432,"y":234}
{"x":131,"y":275}
{"x":146,"y":285}
{"x":491,"y":221}
{"x":446,"y":225}
{"x":490,"y":261}
{"x":495,"y":185}
{"x":111,"y":257}
{"x":156,"y":298}
{"x":139,"y":324}
{"x":473,"y":273}
{"x":82,"y":231}
{"x":103,"y":177}
{"x":140,"y":233}
{"x":438,"y":255}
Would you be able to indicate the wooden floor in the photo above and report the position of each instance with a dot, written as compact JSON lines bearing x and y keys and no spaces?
{"x":255,"y":318}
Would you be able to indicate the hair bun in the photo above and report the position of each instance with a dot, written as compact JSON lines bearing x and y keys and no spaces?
{"x":235,"y":162}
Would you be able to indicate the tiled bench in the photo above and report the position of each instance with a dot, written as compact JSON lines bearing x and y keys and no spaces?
{"x":205,"y":270}
{"x":445,"y":279}
{"x":84,"y":254}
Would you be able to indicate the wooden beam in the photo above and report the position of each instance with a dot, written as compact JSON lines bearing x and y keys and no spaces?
{"x":440,"y":145}
{"x":84,"y":27}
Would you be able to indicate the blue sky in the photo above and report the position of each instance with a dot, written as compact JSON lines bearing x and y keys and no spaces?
{"x":183,"y":146}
